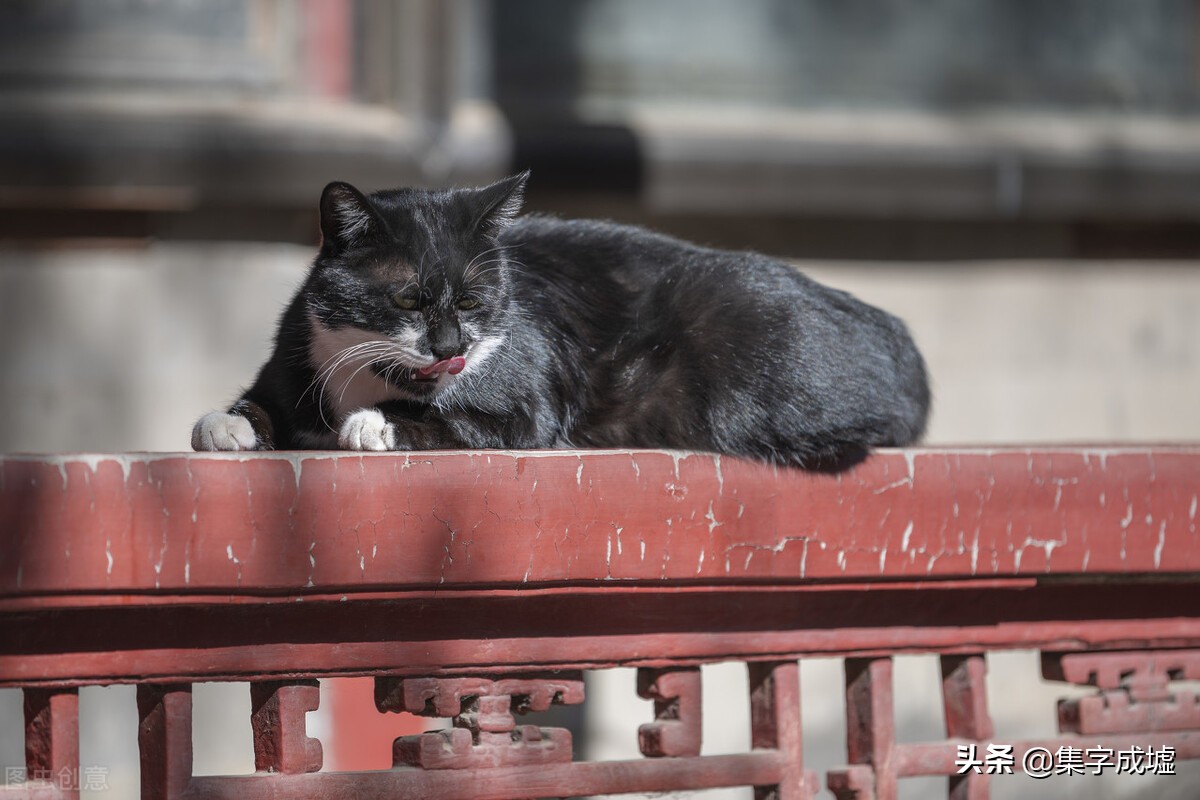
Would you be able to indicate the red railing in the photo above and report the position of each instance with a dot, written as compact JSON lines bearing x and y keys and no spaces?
{"x":478,"y":585}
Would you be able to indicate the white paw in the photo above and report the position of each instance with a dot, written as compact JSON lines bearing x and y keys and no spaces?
{"x":367,"y":429}
{"x":221,"y":431}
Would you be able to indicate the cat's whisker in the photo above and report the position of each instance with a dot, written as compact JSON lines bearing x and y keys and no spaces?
{"x":378,"y":359}
{"x":327,"y":368}
{"x":481,"y":273}
{"x":318,"y":373}
{"x":332,"y":362}
{"x":472,"y":262}
{"x":517,"y":264}
{"x":397,"y":364}
{"x":386,"y":377}
{"x":378,"y":349}
{"x":326,"y":394}
{"x":419,"y":273}
{"x":506,"y":260}
{"x":343,"y":358}
{"x":475,"y":268}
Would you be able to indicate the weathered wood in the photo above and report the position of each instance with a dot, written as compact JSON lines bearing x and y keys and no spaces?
{"x":277,"y":719}
{"x":486,"y":734}
{"x":475,"y":585}
{"x":165,"y":739}
{"x":52,"y":742}
{"x":571,"y":629}
{"x":871,"y":721}
{"x":319,"y":522}
{"x":511,"y":783}
{"x":677,"y":711}
{"x":775,"y":725}
{"x":964,"y":700}
{"x":1135,"y":694}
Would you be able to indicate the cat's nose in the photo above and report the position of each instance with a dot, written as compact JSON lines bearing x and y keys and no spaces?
{"x":442,"y":353}
{"x":446,"y":342}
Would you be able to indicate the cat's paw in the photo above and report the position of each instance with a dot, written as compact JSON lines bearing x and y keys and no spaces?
{"x":221,"y":431}
{"x":367,"y":429}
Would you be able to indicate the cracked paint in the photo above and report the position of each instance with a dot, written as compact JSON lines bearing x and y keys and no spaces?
{"x":176,"y":521}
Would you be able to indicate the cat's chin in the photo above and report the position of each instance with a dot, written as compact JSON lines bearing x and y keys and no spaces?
{"x":422,"y":387}
{"x":416,"y":387}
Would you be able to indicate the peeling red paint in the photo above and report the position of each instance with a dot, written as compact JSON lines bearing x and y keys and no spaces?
{"x":476,"y":585}
{"x":287,"y":522}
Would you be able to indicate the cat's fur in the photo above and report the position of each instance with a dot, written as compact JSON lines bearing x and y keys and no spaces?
{"x":578,"y":334}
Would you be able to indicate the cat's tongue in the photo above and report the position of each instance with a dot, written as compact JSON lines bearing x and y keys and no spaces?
{"x":452,"y":365}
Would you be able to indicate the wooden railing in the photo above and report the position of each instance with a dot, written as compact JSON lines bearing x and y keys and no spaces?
{"x":478,"y":585}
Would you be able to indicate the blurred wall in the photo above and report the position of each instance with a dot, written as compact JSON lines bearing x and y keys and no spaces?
{"x":105,"y":349}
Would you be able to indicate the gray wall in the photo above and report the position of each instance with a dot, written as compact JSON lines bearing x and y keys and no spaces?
{"x":122,"y":349}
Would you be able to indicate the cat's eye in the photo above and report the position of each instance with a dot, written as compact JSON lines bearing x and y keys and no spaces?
{"x":467,"y":303}
{"x":406,"y":302}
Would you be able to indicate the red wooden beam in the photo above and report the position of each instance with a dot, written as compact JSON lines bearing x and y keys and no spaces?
{"x":564,"y":628}
{"x":251,"y":524}
{"x":503,"y":783}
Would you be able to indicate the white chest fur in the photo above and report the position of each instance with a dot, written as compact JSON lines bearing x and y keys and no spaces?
{"x":344,"y":379}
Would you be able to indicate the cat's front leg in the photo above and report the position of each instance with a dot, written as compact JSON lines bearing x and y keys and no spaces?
{"x":396,"y":426}
{"x":367,"y":429}
{"x":246,"y":426}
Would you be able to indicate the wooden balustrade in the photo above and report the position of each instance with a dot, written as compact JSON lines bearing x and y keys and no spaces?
{"x":478,"y":586}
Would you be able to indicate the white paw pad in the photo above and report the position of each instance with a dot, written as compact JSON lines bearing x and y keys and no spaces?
{"x":221,"y":431}
{"x":367,"y":430}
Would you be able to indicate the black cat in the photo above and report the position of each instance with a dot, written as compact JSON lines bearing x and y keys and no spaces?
{"x":438,"y":319}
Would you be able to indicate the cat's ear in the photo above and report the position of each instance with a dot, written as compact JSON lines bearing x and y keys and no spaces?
{"x":498,"y":204}
{"x":347,"y":216}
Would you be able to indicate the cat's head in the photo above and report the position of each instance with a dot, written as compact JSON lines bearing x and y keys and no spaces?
{"x":414,"y":281}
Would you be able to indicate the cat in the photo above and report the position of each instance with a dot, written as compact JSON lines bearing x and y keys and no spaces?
{"x":442,"y":319}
